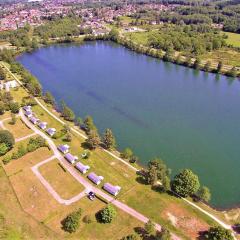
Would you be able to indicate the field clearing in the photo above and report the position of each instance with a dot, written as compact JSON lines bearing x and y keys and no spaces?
{"x":5,"y":115}
{"x":17,"y":224}
{"x":33,"y":196}
{"x":45,"y":117}
{"x":233,"y":39}
{"x":139,"y":37}
{"x":27,"y":161}
{"x":227,"y":56}
{"x":168,"y":211}
{"x":62,"y":182}
{"x":19,"y":129}
{"x":18,"y":94}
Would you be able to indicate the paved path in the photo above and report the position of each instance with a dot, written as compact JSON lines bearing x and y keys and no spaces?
{"x":50,"y":188}
{"x":1,"y":123}
{"x":25,"y":137}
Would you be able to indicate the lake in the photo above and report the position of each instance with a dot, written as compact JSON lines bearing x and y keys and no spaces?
{"x":188,"y":118}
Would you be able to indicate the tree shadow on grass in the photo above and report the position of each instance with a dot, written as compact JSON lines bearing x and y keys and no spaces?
{"x":202,"y":235}
{"x":142,"y":232}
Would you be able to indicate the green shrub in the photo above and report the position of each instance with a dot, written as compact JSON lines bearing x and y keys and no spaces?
{"x":7,"y":159}
{"x":107,"y":214}
{"x":7,"y":138}
{"x":14,"y":107}
{"x":71,"y":222}
{"x":3,"y":149}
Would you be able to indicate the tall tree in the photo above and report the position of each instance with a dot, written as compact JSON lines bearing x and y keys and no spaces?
{"x":93,"y":139}
{"x":157,"y":171}
{"x":109,"y":139}
{"x":48,"y":98}
{"x":204,"y":194}
{"x":185,"y":183}
{"x":67,"y":113}
{"x":89,"y":125}
{"x":2,"y":74}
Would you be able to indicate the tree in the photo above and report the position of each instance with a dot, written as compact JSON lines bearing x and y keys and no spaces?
{"x":219,"y":67}
{"x":79,"y":121}
{"x":166,"y":184}
{"x":2,"y":74}
{"x":164,"y":234}
{"x":13,"y":118}
{"x":197,"y":63}
{"x":93,"y":139}
{"x":149,"y":228}
{"x":2,"y":108}
{"x":71,"y":222}
{"x":108,"y":214}
{"x":67,"y":113}
{"x":219,"y":233}
{"x":232,"y":72}
{"x":48,"y":98}
{"x":7,"y":138}
{"x":3,"y":149}
{"x":109,"y":139}
{"x":185,"y":183}
{"x":204,"y":194}
{"x":89,"y":124}
{"x":207,"y":66}
{"x":133,"y":236}
{"x":127,"y":153}
{"x":14,"y":107}
{"x":157,"y":171}
{"x":133,"y":159}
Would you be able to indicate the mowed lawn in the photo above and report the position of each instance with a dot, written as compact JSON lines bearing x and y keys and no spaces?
{"x":121,"y":226}
{"x":18,"y":94}
{"x":19,"y":129}
{"x":139,"y":37}
{"x":233,"y":39}
{"x":27,"y":161}
{"x":15,"y":223}
{"x":61,"y":181}
{"x":167,"y":210}
{"x":227,"y":56}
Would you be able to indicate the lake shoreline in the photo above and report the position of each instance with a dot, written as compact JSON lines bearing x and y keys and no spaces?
{"x":212,"y":206}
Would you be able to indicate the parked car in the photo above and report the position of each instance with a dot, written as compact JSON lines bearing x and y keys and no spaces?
{"x":91,"y":195}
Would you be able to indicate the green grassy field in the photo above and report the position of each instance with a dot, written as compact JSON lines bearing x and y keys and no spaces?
{"x":61,"y":181}
{"x":139,"y":37}
{"x":233,"y":39}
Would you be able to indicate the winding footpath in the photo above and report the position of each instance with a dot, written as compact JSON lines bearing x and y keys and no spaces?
{"x":220,"y":222}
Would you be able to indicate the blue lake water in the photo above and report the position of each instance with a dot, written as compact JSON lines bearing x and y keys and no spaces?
{"x":188,"y":118}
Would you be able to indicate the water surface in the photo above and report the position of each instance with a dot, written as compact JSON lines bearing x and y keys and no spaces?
{"x":190,"y":119}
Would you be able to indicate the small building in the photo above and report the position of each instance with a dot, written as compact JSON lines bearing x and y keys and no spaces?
{"x":34,"y":120}
{"x":51,"y":131}
{"x":63,"y":148}
{"x":28,"y":114}
{"x":70,"y":158}
{"x":114,"y":190}
{"x":95,"y":178}
{"x":82,"y":168}
{"x":42,"y":125}
{"x":10,"y":84}
{"x":27,"y":108}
